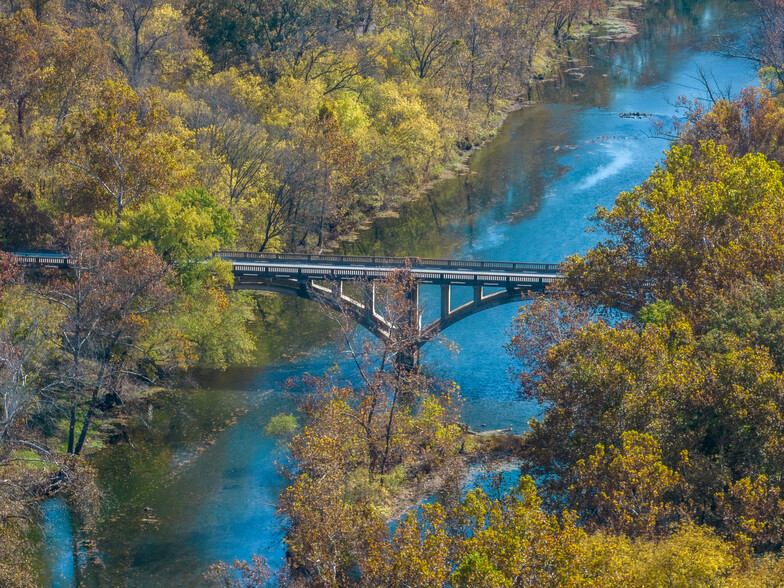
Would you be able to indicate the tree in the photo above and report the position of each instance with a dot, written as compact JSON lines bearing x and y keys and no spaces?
{"x":625,"y":490}
{"x":22,"y":222}
{"x":428,"y":38}
{"x":754,"y":511}
{"x":27,"y":330}
{"x":278,"y":38}
{"x":214,"y":324}
{"x":765,"y":43}
{"x":567,"y":12}
{"x":488,"y":32}
{"x":754,"y":312}
{"x":108,"y":304}
{"x":510,"y":541}
{"x":320,"y":179}
{"x":751,"y":123}
{"x":9,"y":270}
{"x":244,"y":150}
{"x":696,"y":398}
{"x":702,"y":222}
{"x":328,"y":533}
{"x":46,"y":69}
{"x":123,"y":146}
{"x":340,"y":176}
{"x":27,"y":45}
{"x":547,"y":323}
{"x":359,"y":444}
{"x":418,"y":555}
{"x":184,"y":230}
{"x":140,"y":32}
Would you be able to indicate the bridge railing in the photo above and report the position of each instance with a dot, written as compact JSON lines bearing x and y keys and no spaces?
{"x":381,"y":261}
{"x":42,"y":259}
{"x":508,"y":279}
{"x":347,"y":261}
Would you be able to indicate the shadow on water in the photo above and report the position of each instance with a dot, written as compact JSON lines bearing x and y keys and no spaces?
{"x":197,"y":481}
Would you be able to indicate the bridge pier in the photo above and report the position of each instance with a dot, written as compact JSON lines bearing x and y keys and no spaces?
{"x":446,"y":301}
{"x":408,"y":357}
{"x":414,"y":313}
{"x":370,"y":299}
{"x":408,"y":361}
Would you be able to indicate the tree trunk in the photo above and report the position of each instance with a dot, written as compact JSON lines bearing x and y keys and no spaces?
{"x":86,"y":423}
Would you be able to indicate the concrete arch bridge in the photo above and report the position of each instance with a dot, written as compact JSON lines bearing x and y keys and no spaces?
{"x":299,"y":275}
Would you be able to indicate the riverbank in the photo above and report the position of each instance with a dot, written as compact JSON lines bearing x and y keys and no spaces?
{"x":617,"y":25}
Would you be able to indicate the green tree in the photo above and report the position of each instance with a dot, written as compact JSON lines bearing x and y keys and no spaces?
{"x":185,"y":230}
{"x":702,"y":222}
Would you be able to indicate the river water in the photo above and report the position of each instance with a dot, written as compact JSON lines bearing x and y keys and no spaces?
{"x":197,"y":482}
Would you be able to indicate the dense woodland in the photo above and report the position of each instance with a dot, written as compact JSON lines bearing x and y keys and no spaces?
{"x":139,"y":136}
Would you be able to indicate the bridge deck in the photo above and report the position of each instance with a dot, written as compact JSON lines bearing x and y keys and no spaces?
{"x":430,"y":275}
{"x":386,"y":261}
{"x":468,"y":272}
{"x":288,"y":266}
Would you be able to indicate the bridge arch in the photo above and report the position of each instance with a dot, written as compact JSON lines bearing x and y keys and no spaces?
{"x":365,"y":314}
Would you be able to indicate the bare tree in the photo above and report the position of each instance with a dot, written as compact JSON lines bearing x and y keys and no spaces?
{"x":25,"y":344}
{"x":107,"y":303}
{"x":764,"y":42}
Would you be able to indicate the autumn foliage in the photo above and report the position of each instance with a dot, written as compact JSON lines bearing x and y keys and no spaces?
{"x":138,"y":136}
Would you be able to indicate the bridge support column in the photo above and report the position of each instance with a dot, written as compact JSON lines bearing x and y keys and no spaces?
{"x":337,"y":289}
{"x":408,"y":357}
{"x":415,"y":317}
{"x":408,"y":361}
{"x":478,"y":295}
{"x":446,"y":301}
{"x":370,"y":299}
